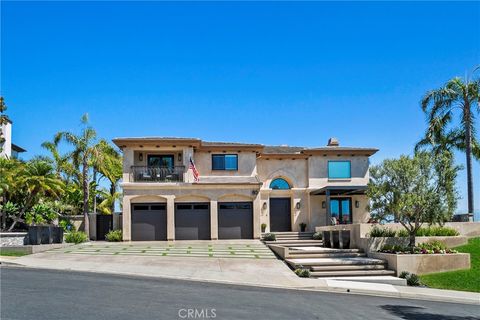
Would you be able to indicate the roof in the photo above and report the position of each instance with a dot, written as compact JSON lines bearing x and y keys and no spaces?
{"x":282,"y":149}
{"x":340,"y":190}
{"x":17,"y":148}
{"x":341,"y":150}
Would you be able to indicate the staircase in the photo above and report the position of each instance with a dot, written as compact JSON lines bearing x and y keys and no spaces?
{"x":299,"y":250}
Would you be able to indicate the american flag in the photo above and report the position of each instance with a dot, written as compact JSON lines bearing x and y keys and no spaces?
{"x":194,"y":170}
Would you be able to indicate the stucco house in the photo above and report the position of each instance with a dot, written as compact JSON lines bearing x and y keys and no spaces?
{"x":240,"y":187}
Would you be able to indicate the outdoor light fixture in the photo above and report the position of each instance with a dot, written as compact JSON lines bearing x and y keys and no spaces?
{"x":298,"y":205}
{"x":324,"y":204}
{"x":357,"y":204}
{"x":179,"y":157}
{"x":140,"y":156}
{"x":264,"y":207}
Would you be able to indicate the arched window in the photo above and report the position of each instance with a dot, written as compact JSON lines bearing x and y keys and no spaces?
{"x":279,"y":184}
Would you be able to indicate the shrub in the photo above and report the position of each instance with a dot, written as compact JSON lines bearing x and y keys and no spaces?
{"x":76,"y":237}
{"x":269,"y":237}
{"x":317,"y":236}
{"x":302,"y":273}
{"x":412,"y":279}
{"x":388,"y":248}
{"x":381,"y":232}
{"x":431,"y":232}
{"x":114,"y":236}
{"x":264,"y":226}
{"x":66,"y":224}
{"x":402,"y":233}
{"x":39,"y":214}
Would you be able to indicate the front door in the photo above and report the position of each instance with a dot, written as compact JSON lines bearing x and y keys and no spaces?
{"x":280,"y":213}
{"x":340,"y":209}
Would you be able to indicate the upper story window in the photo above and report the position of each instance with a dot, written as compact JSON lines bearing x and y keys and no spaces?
{"x":160,"y":160}
{"x":224,"y":162}
{"x":279,"y":184}
{"x":339,"y":170}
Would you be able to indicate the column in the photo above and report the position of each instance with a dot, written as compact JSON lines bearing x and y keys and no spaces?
{"x":257,"y":209}
{"x":126,"y":220}
{"x":170,"y":218}
{"x":213,"y":219}
{"x":327,"y":204}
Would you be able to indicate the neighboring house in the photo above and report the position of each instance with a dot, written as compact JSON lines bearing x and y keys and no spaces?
{"x":8,"y":149}
{"x":241,"y":186}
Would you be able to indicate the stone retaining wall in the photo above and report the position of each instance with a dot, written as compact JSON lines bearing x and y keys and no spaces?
{"x":8,"y":239}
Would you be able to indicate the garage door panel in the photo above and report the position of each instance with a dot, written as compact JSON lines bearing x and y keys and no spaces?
{"x":149,"y":222}
{"x":235,"y":220}
{"x":192,"y":221}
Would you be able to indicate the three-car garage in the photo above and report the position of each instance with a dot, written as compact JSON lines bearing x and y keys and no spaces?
{"x":192,"y":221}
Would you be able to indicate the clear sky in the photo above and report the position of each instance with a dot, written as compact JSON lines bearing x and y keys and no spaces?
{"x":271,"y":73}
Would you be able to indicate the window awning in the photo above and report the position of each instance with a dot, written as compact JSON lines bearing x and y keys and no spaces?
{"x":340,"y":190}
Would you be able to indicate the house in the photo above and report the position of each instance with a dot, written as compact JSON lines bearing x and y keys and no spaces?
{"x":241,"y":186}
{"x":7,"y":148}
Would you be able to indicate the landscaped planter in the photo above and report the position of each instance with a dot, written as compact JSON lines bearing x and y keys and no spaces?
{"x":44,"y":235}
{"x":424,"y":263}
{"x":57,"y":234}
{"x":376,"y":243}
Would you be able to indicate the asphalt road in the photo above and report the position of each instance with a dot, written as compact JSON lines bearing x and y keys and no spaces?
{"x":43,"y":294}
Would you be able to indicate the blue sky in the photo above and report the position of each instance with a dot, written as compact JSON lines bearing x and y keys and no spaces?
{"x":271,"y":73}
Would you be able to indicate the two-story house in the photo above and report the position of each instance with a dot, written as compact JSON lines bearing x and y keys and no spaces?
{"x":240,"y":187}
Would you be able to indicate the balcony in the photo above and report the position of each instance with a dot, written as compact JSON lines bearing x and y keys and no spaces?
{"x":157,"y":174}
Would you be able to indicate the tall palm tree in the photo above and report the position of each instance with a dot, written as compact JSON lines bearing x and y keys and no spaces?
{"x":109,"y":165}
{"x":84,"y":148}
{"x":440,"y":106}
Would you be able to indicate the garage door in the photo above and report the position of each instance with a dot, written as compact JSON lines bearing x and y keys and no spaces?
{"x":235,"y":220}
{"x":149,"y":222}
{"x":192,"y":221}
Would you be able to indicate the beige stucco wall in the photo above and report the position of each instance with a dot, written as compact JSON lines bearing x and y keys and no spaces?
{"x":318,"y":171}
{"x":293,"y":171}
{"x":246,"y":164}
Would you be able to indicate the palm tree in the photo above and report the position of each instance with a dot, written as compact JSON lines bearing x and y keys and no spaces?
{"x":440,"y":107}
{"x":36,"y":179}
{"x":84,"y":148}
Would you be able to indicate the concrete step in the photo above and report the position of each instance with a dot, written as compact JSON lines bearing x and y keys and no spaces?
{"x":372,"y":279}
{"x":333,"y":261}
{"x":309,"y":250}
{"x":350,"y":273}
{"x":349,"y":267}
{"x":289,"y":233}
{"x":329,"y":255}
{"x":296,"y":242}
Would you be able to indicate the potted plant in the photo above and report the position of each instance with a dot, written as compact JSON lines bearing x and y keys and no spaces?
{"x":41,"y":230}
{"x":303,"y":226}
{"x":264,"y":227}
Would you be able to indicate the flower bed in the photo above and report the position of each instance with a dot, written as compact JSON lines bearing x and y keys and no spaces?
{"x":431,"y":247}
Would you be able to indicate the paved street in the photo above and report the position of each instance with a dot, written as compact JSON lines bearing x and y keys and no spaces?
{"x":42,"y":294}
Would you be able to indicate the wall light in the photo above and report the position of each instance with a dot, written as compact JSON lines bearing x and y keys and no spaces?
{"x":179,"y":157}
{"x":264,"y":206}
{"x":140,"y":156}
{"x":298,"y":205}
{"x":357,"y":204}
{"x":324,"y":204}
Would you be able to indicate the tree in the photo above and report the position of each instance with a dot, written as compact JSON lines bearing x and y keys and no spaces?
{"x":36,"y":179}
{"x":440,"y":107}
{"x":416,"y":190}
{"x":84,"y":148}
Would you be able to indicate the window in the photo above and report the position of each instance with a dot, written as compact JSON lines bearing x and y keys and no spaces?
{"x":224,"y":162}
{"x":161,"y":161}
{"x":280,"y":184}
{"x":339,"y":170}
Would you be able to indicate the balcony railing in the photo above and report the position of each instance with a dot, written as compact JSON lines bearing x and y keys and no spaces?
{"x":157,"y":174}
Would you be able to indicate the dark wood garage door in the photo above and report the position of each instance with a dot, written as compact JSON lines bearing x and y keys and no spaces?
{"x":235,"y":220}
{"x":192,"y":221}
{"x":280,"y":214}
{"x":149,"y":222}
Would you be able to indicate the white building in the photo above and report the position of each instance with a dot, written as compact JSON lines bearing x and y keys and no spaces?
{"x":9,"y":149}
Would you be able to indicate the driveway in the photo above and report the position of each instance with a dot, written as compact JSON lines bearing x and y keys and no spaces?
{"x":207,"y":249}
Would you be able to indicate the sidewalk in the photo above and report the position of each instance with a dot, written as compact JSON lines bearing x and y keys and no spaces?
{"x":271,"y":273}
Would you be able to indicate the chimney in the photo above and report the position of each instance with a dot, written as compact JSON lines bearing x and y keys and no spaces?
{"x":333,"y":142}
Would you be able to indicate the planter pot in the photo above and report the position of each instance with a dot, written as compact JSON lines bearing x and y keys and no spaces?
{"x":263,"y":229}
{"x":335,"y":239}
{"x":345,"y":239}
{"x":39,"y":235}
{"x":326,"y":239}
{"x":57,"y":234}
{"x":303,"y":228}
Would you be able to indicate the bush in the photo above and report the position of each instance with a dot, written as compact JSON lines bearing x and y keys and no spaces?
{"x":402,"y":233}
{"x":269,"y":237}
{"x":39,"y":214}
{"x":264,"y":226}
{"x":317,"y":236}
{"x":66,"y":224}
{"x":381,"y":232}
{"x":76,"y":237}
{"x":430,"y":232}
{"x":433,"y":246}
{"x":114,"y":236}
{"x":388,"y":248}
{"x":302,"y":273}
{"x":412,"y":279}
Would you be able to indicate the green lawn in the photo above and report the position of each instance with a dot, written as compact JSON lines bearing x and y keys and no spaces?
{"x":463,"y":280}
{"x":13,"y":254}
